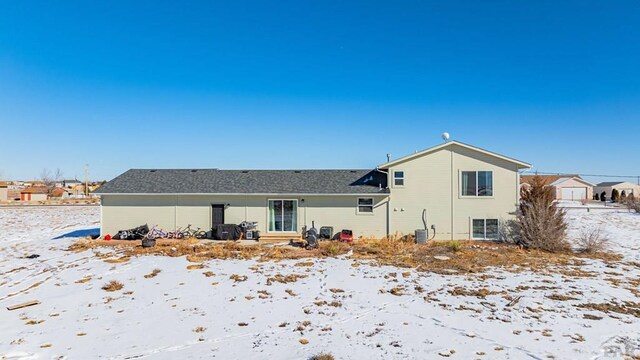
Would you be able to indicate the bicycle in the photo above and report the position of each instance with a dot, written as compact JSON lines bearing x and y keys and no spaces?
{"x":176,"y":234}
{"x":188,"y":232}
{"x":156,"y":233}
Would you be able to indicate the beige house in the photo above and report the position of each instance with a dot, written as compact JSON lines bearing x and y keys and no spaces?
{"x":34,"y":194}
{"x":628,"y":188}
{"x":4,"y":191}
{"x":567,"y":187}
{"x":455,"y":190}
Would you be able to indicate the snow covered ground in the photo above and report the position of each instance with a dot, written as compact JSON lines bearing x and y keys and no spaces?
{"x":339,"y":305}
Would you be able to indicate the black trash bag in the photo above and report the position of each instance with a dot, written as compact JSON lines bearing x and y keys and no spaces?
{"x":136,"y":233}
{"x":228,"y":232}
{"x":141,"y":230}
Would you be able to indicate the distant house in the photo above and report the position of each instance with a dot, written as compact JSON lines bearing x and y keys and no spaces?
{"x":567,"y":187}
{"x":4,"y":191}
{"x":34,"y":194}
{"x":71,"y":184}
{"x":607,"y":187}
{"x":60,"y":193}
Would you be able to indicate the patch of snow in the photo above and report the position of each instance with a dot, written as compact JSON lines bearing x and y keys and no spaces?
{"x":183,"y":313}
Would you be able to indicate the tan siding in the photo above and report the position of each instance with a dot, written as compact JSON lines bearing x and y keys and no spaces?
{"x":432,"y":182}
{"x":170,"y":211}
{"x":341,"y":213}
{"x":427,"y":186}
{"x":125,"y":212}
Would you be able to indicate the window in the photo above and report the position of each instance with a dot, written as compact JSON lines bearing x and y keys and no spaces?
{"x":365,"y":205}
{"x":477,"y":183}
{"x":283,"y":215}
{"x":398,"y":178}
{"x":485,"y":229}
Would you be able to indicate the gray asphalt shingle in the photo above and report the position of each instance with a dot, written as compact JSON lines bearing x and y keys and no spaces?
{"x":214,"y":181}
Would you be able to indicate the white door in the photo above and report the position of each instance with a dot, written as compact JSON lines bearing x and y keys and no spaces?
{"x":574,"y":193}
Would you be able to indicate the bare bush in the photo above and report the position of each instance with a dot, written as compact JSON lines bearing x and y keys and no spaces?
{"x":541,"y":224}
{"x":632,"y":203}
{"x":591,"y":241}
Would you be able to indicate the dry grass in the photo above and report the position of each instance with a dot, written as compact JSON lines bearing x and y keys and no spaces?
{"x":479,"y":293}
{"x":284,"y":279}
{"x":113,"y":285}
{"x":153,"y":274}
{"x":196,"y":267}
{"x":463,"y":257}
{"x":322,"y":356}
{"x":238,"y":278}
{"x":560,"y":297}
{"x":626,"y":307}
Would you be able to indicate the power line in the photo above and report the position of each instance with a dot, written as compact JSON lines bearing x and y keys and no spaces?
{"x":635,"y":177}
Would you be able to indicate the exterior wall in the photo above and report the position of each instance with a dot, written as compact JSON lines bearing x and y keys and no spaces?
{"x":4,"y":194}
{"x":432,"y":182}
{"x":169,"y":212}
{"x":573,"y":183}
{"x":33,"y":197}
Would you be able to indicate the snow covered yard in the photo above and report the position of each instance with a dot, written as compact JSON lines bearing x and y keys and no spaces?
{"x":295,"y":309}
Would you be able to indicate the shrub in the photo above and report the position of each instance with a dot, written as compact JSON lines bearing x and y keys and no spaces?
{"x":322,"y":356}
{"x":454,"y":245}
{"x":541,"y":224}
{"x":596,"y":196}
{"x":632,"y":203}
{"x":623,"y":195}
{"x":603,"y":196}
{"x":591,"y":241}
{"x":615,"y":195}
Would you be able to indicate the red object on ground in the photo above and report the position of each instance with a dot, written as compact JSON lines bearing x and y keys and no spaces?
{"x":346,"y":236}
{"x":107,"y":237}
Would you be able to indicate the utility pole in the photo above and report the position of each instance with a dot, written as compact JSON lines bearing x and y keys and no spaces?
{"x":86,"y":180}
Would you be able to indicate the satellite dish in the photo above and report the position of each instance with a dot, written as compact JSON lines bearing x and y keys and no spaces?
{"x":445,"y":136}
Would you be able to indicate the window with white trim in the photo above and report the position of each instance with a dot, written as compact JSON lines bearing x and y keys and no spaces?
{"x":398,"y":178}
{"x":484,"y":229}
{"x":365,"y":205}
{"x":476,"y":183}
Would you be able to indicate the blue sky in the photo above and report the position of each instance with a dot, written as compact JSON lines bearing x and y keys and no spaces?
{"x":328,"y":84}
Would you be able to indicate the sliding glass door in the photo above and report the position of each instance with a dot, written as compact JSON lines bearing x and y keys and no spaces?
{"x":283,"y":215}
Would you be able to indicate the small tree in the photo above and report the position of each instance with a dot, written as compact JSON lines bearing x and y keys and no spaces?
{"x":541,"y":224}
{"x":603,"y":196}
{"x":615,"y":195}
{"x":623,"y":195}
{"x":596,"y":197}
{"x":49,"y":179}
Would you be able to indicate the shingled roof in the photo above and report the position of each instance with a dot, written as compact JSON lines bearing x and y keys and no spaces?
{"x":214,"y":181}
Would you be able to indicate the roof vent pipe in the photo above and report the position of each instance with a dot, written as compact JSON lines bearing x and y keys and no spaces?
{"x":388,"y":157}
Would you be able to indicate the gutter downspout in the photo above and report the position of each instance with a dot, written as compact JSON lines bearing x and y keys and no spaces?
{"x":452,"y":196}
